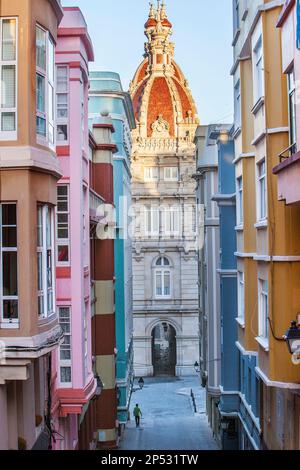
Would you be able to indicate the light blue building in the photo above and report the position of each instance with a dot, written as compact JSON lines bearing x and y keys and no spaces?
{"x":226,"y":200}
{"x":106,"y":95}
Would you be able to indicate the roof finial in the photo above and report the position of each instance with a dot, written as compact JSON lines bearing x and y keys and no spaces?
{"x":152,"y":11}
{"x":163,"y":13}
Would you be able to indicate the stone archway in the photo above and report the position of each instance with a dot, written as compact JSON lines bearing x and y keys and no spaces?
{"x":164,"y":354}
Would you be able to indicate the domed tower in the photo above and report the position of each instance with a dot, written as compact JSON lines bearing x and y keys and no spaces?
{"x":165,"y":272}
{"x":163,"y":103}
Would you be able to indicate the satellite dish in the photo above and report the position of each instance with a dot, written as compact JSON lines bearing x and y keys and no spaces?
{"x":296,"y":359}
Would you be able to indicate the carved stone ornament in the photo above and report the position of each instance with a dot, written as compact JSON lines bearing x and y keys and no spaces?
{"x":160,"y":127}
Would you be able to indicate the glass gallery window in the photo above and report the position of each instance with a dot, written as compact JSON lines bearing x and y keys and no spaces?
{"x":8,"y":65}
{"x":45,"y":260}
{"x":45,"y":72}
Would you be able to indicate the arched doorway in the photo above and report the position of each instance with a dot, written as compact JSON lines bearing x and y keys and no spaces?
{"x":164,"y":350}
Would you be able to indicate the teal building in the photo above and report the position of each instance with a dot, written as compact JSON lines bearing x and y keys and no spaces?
{"x":106,"y":95}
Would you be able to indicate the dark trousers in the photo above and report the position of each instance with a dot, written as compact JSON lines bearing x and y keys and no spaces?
{"x":137,"y":421}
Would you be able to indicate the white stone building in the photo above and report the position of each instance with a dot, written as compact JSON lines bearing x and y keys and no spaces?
{"x":165,"y":271}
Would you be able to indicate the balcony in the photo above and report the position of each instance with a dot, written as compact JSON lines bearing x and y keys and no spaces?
{"x":288,"y":173}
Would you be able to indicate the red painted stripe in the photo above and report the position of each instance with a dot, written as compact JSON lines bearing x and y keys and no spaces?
{"x":63,"y":272}
{"x":63,"y":150}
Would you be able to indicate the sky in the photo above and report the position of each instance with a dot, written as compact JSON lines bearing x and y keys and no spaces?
{"x":202,"y":34}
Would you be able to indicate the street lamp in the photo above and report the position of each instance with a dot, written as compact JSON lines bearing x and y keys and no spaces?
{"x":292,"y":338}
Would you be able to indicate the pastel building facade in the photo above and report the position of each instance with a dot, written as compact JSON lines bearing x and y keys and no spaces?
{"x":74,"y":384}
{"x":287,"y":174}
{"x":29,"y":171}
{"x":106,"y":95}
{"x":267,"y":230}
{"x":165,"y":282}
{"x":208,"y":264}
{"x":230,"y":377}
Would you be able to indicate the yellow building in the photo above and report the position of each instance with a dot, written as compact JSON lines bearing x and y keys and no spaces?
{"x":267,"y":232}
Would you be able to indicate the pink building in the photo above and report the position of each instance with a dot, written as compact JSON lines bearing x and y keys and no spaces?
{"x":288,"y":170}
{"x":74,"y":384}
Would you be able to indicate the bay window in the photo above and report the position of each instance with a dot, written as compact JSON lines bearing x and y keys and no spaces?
{"x":45,"y":261}
{"x":62,"y":106}
{"x":9,"y":265}
{"x":65,"y":349}
{"x":45,"y":72}
{"x":8,"y":70}
{"x":63,"y":214}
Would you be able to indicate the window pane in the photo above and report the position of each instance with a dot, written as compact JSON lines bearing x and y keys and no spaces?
{"x":9,"y":237}
{"x":63,"y":253}
{"x":8,"y":86}
{"x":9,"y":214}
{"x":51,"y":103}
{"x":51,"y":61}
{"x":40,"y":93}
{"x":158,"y":283}
{"x":49,"y":268}
{"x":9,"y":270}
{"x":62,"y":80}
{"x":41,"y":305}
{"x":40,"y":226}
{"x":62,"y":133}
{"x":9,"y":39}
{"x":166,"y":283}
{"x":40,"y":48}
{"x":40,"y":271}
{"x":8,"y":122}
{"x":65,"y":354}
{"x":65,"y":374}
{"x":10,"y":309}
{"x":41,"y":126}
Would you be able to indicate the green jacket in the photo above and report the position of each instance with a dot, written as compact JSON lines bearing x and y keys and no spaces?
{"x":137,"y":411}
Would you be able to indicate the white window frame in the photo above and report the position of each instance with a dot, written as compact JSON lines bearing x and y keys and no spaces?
{"x":173,"y":173}
{"x":241,"y":296}
{"x":240,"y":200}
{"x":154,"y":228}
{"x":162,"y":270}
{"x":263,"y":310}
{"x":9,"y":135}
{"x":65,"y":363}
{"x":258,"y":64}
{"x":262,"y":207}
{"x":43,"y":249}
{"x":5,"y":322}
{"x":153,"y":173}
{"x":171,"y":220}
{"x":63,"y":121}
{"x":237,"y":104}
{"x":41,"y":139}
{"x":292,"y":107}
{"x":63,"y":241}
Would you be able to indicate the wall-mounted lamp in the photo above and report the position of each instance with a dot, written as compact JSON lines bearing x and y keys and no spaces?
{"x":141,"y":383}
{"x":99,"y":387}
{"x":292,"y":338}
{"x":197,"y":367}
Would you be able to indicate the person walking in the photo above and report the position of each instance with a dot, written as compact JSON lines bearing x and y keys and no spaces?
{"x":137,"y":414}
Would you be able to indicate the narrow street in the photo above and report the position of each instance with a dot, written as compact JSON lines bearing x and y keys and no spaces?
{"x":169,"y":421}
